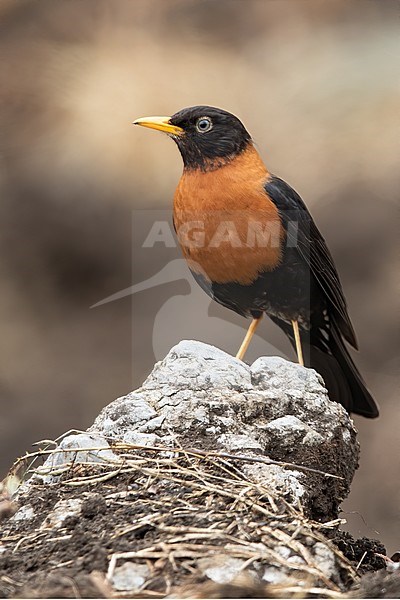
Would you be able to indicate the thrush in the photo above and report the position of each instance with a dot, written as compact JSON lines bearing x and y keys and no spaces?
{"x":252,"y":245}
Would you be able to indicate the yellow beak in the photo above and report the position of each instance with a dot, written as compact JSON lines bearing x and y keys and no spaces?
{"x":159,"y":123}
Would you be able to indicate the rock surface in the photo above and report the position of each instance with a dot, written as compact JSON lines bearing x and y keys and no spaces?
{"x":203,"y":398}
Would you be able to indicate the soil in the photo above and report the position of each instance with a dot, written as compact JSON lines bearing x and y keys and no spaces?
{"x":60,"y":565}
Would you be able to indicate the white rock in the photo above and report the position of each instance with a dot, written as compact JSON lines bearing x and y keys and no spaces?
{"x":325,"y":559}
{"x":284,"y":481}
{"x":278,"y":576}
{"x":199,"y":366}
{"x":62,"y":510}
{"x":221,"y":568}
{"x":77,"y":448}
{"x":293,"y":431}
{"x":137,"y":438}
{"x":239,"y":442}
{"x":130,"y":576}
{"x":24,"y":513}
{"x":128,"y":412}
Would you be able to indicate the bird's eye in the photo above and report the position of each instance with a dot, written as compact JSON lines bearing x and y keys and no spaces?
{"x":203,"y":124}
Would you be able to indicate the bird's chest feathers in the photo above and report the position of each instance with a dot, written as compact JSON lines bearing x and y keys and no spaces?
{"x":228,"y":228}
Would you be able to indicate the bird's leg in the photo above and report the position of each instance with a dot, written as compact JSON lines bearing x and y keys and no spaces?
{"x":298,"y":342}
{"x":247,"y":338}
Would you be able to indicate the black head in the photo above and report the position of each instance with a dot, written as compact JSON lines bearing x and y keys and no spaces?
{"x":207,"y":137}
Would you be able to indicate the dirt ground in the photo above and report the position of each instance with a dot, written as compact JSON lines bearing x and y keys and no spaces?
{"x":41,"y":560}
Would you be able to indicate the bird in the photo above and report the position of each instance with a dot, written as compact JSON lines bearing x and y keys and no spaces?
{"x":252,"y":245}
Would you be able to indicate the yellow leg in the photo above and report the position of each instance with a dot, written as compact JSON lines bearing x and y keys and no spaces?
{"x":247,"y":339}
{"x":298,"y":343}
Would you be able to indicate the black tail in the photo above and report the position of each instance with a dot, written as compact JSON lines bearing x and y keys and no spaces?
{"x":331,"y":359}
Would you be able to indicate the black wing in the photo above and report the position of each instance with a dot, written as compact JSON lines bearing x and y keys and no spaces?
{"x":303,"y":232}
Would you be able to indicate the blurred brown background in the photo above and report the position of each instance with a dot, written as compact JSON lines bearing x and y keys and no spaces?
{"x":314,"y":81}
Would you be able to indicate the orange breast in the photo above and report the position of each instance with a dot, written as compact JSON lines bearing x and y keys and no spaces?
{"x":228,"y":228}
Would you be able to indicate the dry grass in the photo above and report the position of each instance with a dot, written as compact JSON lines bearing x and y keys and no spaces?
{"x":197,"y":506}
